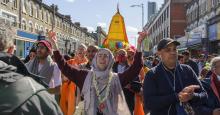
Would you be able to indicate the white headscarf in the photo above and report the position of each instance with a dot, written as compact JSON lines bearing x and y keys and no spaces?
{"x":100,"y":73}
{"x":116,"y":103}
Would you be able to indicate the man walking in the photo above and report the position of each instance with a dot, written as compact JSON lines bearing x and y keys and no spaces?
{"x":44,"y":66}
{"x":190,"y":62}
{"x":171,"y":88}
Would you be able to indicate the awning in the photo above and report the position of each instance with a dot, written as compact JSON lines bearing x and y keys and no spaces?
{"x":25,"y":39}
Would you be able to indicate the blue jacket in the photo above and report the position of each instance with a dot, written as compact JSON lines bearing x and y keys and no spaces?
{"x":212,"y":101}
{"x":159,"y":96}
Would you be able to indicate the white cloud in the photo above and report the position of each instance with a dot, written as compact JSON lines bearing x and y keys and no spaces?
{"x":131,"y":29}
{"x":90,"y":29}
{"x":70,"y":0}
{"x":103,"y":25}
{"x":89,"y":0}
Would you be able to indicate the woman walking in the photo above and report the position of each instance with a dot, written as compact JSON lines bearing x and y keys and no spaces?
{"x":101,"y":88}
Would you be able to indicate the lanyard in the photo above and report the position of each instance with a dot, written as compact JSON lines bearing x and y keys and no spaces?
{"x":173,"y":86}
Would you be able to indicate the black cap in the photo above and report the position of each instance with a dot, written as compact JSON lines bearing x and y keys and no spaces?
{"x":165,"y":42}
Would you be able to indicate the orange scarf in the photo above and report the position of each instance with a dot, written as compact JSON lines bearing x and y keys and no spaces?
{"x":68,"y":90}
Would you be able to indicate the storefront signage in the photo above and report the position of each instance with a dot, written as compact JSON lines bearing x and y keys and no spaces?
{"x":197,"y":34}
{"x":213,"y":32}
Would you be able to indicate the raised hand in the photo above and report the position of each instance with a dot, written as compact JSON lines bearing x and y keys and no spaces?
{"x":141,"y":37}
{"x":53,"y":39}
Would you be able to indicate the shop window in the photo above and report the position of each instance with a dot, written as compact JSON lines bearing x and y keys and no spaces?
{"x":20,"y":48}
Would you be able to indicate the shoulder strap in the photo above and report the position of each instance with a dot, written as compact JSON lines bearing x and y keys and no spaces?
{"x":17,"y":93}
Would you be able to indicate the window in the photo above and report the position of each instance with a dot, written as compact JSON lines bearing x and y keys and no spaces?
{"x":50,"y":18}
{"x":37,"y":12}
{"x":15,"y":4}
{"x":9,"y":18}
{"x":64,"y":27}
{"x":42,"y":14}
{"x":41,"y":28}
{"x":213,"y":3}
{"x":24,"y":6}
{"x":167,"y":12}
{"x":31,"y":29}
{"x":5,"y":1}
{"x":47,"y":17}
{"x":36,"y":28}
{"x":60,"y":24}
{"x":23,"y":25}
{"x":46,"y":30}
{"x":31,"y":12}
{"x":57,"y":35}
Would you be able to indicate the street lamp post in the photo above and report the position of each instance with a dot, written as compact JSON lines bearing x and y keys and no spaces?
{"x":142,"y":8}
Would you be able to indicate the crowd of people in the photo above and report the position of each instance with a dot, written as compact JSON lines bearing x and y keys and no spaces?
{"x":97,"y":81}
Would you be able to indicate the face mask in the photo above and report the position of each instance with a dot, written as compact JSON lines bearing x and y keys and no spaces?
{"x":121,"y":59}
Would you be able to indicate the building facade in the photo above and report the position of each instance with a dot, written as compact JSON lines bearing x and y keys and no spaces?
{"x":203,"y":24}
{"x":152,"y":9}
{"x":31,"y":17}
{"x":101,"y":35}
{"x":169,"y":21}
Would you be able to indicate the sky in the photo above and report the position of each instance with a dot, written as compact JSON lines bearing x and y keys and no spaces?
{"x":93,"y":13}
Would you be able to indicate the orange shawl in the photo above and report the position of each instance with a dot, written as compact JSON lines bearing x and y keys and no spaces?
{"x":68,"y":89}
{"x":138,"y":108}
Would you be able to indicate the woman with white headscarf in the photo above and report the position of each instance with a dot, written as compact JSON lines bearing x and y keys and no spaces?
{"x":101,"y":88}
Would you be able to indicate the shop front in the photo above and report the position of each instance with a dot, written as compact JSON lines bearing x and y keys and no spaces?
{"x":182,"y":47}
{"x":196,"y":40}
{"x":217,"y":43}
{"x":214,"y":38}
{"x":24,"y":42}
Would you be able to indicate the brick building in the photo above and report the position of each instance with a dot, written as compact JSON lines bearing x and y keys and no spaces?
{"x":169,"y":21}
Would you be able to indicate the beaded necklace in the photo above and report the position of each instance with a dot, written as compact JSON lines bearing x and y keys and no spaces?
{"x":100,"y":98}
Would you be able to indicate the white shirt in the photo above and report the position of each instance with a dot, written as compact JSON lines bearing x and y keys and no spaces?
{"x":56,"y":78}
